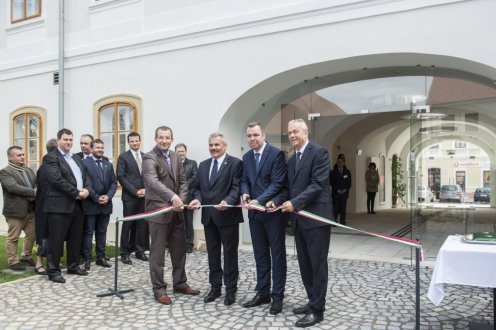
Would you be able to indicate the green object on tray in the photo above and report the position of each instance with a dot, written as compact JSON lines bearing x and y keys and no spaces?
{"x":484,"y":236}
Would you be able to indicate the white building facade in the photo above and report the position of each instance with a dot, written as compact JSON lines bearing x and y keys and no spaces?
{"x":201,"y":66}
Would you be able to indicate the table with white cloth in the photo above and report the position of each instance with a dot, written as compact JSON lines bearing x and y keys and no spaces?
{"x":459,"y":262}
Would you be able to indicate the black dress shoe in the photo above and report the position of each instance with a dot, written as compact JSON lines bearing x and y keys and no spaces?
{"x":28,"y":262}
{"x":257,"y":301}
{"x":230,"y":298}
{"x":190,"y":249}
{"x":77,"y":271}
{"x":57,"y":279}
{"x":141,"y":256}
{"x":103,"y":263}
{"x":87,"y":264}
{"x":309,"y":320}
{"x":17,"y":267}
{"x":125,"y":259}
{"x":276,"y":307}
{"x":211,"y":296}
{"x":301,"y":309}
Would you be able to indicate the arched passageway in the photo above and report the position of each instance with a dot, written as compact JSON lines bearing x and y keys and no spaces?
{"x":362,"y":107}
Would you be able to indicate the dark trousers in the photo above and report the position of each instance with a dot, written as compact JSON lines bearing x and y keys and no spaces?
{"x":370,"y":200}
{"x":339,"y":206}
{"x":96,"y":224}
{"x":226,"y":237}
{"x":41,"y":229}
{"x":172,"y":234}
{"x":188,"y":225}
{"x":134,"y":234}
{"x":312,"y":246}
{"x":268,"y":234}
{"x":64,"y":226}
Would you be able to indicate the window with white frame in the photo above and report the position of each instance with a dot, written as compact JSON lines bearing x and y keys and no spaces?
{"x":27,"y":131}
{"x":24,"y":9}
{"x":115,"y":121}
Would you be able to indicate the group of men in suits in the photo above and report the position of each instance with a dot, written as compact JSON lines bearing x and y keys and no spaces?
{"x":78,"y":203}
{"x":264,"y":178}
{"x":156,"y":179}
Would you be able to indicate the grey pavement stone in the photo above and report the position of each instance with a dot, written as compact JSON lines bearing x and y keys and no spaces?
{"x":361,"y":295}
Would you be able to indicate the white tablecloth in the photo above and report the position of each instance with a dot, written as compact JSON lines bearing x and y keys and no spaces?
{"x":463,"y":263}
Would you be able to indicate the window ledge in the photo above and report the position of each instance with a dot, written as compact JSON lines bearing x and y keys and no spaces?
{"x":29,"y":24}
{"x":102,"y":5}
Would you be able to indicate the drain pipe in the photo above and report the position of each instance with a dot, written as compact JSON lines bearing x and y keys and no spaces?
{"x":61,"y":63}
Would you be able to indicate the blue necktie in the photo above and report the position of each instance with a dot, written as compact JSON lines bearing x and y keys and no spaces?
{"x":215,"y":168}
{"x":99,"y":165}
{"x":298,"y":159}
{"x":257,"y":160}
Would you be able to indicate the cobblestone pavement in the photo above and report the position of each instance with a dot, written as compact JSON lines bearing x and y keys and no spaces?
{"x":362,"y":295}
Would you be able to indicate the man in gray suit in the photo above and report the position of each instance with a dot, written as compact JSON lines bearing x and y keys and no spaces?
{"x":18,"y":207}
{"x":165,"y":184}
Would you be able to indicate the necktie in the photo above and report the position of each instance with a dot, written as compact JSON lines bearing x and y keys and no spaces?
{"x":99,"y":165}
{"x":298,"y":158}
{"x":167,"y":157}
{"x":257,"y":160}
{"x":215,"y":168}
{"x":138,"y":160}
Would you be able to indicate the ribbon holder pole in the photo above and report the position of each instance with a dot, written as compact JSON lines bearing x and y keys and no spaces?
{"x":114,"y":290}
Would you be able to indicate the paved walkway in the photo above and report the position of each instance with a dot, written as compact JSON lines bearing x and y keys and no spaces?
{"x":362,"y":295}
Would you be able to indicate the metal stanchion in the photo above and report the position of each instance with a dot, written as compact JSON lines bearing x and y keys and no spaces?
{"x":417,"y":288}
{"x":114,"y":290}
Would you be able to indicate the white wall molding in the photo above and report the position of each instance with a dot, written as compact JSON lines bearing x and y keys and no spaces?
{"x":153,"y":36}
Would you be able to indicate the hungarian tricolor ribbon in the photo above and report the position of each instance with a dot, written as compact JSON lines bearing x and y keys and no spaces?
{"x":303,"y":213}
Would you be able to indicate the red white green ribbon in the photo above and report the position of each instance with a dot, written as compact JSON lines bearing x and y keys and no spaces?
{"x":304,"y":213}
{"x":169,"y":208}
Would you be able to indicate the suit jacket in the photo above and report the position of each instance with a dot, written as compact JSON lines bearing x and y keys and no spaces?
{"x":226,"y":187}
{"x":266,"y":182}
{"x":129,"y":175}
{"x":105,"y":184}
{"x":340,"y":181}
{"x":41,"y":189}
{"x":191,"y":172}
{"x":16,"y":192}
{"x":309,"y":188}
{"x":62,"y":186}
{"x":162,"y":182}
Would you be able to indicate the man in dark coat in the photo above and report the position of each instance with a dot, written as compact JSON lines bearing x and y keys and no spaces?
{"x":98,"y":207}
{"x":218,"y":183}
{"x":68,"y":186}
{"x":340,"y":180}
{"x":190,"y":171}
{"x":308,"y":186}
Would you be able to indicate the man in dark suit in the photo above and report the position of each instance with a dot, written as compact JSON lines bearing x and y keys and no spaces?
{"x":18,"y":207}
{"x":68,"y":185}
{"x":165,"y":184}
{"x":340,"y":180}
{"x":309,"y":190}
{"x":134,"y":234}
{"x":190,"y":171}
{"x":85,"y":143}
{"x":40,"y":216}
{"x":98,"y":206}
{"x":264,"y":175}
{"x":219,"y":183}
